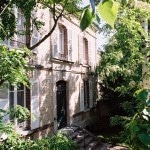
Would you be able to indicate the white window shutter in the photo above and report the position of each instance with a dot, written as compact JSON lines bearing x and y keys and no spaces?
{"x":89,"y":53}
{"x":81,"y":96}
{"x":69,"y":33}
{"x":35,"y":38}
{"x":4,"y":100}
{"x":55,"y":43}
{"x":91,"y":93}
{"x":35,"y":114}
{"x":80,"y":49}
{"x":20,"y":27}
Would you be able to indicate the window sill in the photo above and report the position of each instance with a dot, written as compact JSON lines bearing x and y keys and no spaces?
{"x":87,"y":109}
{"x":62,"y":60}
{"x":22,"y":132}
{"x":85,"y":65}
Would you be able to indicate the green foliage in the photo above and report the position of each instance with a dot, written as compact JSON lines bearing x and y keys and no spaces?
{"x":13,"y":66}
{"x":86,"y":19}
{"x":20,"y":113}
{"x":108,"y":10}
{"x":124,"y":54}
{"x":54,"y":142}
{"x":136,"y":127}
{"x":7,"y":129}
{"x":120,"y":70}
{"x":14,"y":142}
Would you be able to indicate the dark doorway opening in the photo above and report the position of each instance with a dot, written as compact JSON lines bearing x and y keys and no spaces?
{"x":61,"y":104}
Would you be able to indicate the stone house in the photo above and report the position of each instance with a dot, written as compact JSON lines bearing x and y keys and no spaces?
{"x":62,"y":83}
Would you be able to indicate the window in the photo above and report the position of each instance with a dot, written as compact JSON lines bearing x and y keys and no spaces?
{"x":62,"y":43}
{"x":85,"y":51}
{"x":86,"y":94}
{"x":21,"y":29}
{"x":11,"y":96}
{"x":61,"y":40}
{"x":17,"y":96}
{"x":19,"y":39}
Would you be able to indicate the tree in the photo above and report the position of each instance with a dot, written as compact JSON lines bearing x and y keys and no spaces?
{"x":57,"y":9}
{"x":121,"y":72}
{"x":13,"y":66}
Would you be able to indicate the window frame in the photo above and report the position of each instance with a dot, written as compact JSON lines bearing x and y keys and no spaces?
{"x":15,"y":92}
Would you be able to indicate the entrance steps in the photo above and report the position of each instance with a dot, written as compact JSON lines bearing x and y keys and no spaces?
{"x":84,"y":139}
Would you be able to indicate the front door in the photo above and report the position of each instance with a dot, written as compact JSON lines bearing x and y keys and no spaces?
{"x":61,"y":104}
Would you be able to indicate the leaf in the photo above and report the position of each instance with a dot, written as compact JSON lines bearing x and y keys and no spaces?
{"x":141,"y":94}
{"x":87,"y":19}
{"x":144,"y":138}
{"x":148,"y":102}
{"x":124,"y":2}
{"x":108,"y":10}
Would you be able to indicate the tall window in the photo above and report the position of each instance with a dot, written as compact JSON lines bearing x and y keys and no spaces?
{"x":86,"y":94}
{"x":61,"y":39}
{"x":62,"y":43}
{"x":19,"y":39}
{"x":85,"y":51}
{"x":17,"y":96}
{"x":20,"y":29}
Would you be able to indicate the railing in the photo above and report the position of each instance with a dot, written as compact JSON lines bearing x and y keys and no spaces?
{"x":84,"y":133}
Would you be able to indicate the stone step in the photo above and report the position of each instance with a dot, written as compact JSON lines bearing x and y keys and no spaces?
{"x":74,"y":135}
{"x":68,"y":131}
{"x":92,"y":145}
{"x":86,"y":142}
{"x":80,"y":137}
{"x":84,"y":139}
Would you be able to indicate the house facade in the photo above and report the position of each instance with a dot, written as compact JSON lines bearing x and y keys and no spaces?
{"x":63,"y":84}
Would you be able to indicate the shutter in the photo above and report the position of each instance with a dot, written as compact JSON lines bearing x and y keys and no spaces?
{"x":35,"y":114}
{"x":35,"y":38}
{"x":55,"y":43}
{"x":91,"y":93}
{"x":89,"y":53}
{"x":20,"y":27}
{"x":4,"y":100}
{"x":69,"y":33}
{"x":80,"y":49}
{"x":81,"y":96}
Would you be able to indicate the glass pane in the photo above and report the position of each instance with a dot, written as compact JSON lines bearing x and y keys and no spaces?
{"x":11,"y":88}
{"x":20,"y":98}
{"x":11,"y":99}
{"x":20,"y":87}
{"x":4,"y":91}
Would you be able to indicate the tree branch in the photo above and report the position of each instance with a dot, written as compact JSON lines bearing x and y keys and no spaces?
{"x":55,"y":18}
{"x":5,"y":8}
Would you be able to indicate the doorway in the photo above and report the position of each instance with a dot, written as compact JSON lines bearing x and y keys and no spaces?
{"x":61,"y":104}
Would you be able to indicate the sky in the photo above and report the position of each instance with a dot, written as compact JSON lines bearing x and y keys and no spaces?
{"x":85,"y":2}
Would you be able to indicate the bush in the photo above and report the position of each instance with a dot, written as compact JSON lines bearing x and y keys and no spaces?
{"x":54,"y":142}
